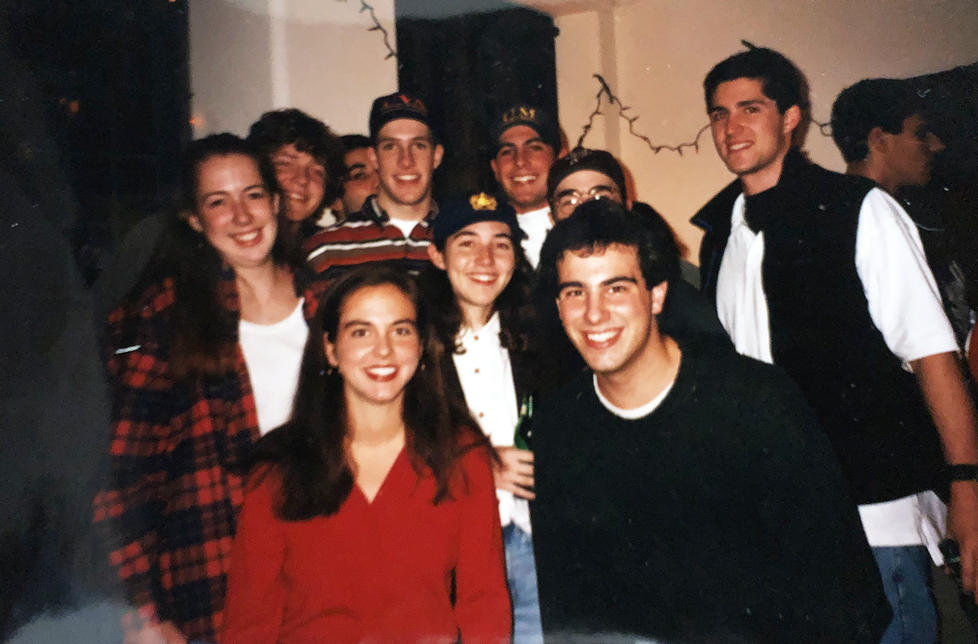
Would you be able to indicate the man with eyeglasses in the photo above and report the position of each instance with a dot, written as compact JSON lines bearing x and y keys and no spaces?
{"x":583,"y":175}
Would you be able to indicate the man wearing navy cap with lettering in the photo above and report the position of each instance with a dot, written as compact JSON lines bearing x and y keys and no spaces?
{"x":526,"y":141}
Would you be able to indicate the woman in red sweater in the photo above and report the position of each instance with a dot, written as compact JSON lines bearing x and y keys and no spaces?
{"x":372,"y":514}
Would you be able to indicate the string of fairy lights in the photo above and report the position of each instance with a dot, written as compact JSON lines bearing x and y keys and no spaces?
{"x":604,"y":90}
{"x":391,"y":52}
{"x":604,"y":93}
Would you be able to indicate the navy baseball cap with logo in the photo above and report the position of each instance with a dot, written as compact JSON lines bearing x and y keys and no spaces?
{"x":534,"y":117}
{"x":396,"y":106}
{"x":456,"y":214}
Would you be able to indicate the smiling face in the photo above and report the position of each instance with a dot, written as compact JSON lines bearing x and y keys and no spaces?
{"x":479,"y":260}
{"x":607,"y":310}
{"x":377,"y":345}
{"x":302,"y":180}
{"x":521,"y":166}
{"x":234,"y":210}
{"x":750,"y":134}
{"x":405,"y":157}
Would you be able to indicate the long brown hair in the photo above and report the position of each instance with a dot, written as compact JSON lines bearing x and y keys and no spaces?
{"x":310,"y":450}
{"x":204,"y":330}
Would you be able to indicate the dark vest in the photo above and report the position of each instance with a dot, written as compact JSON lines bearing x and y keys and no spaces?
{"x":821,"y":330}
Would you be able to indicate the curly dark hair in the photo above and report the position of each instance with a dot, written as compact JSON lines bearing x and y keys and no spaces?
{"x":601,"y":223}
{"x":282,"y":127}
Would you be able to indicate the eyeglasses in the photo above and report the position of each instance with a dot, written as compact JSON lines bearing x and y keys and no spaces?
{"x":568,"y":201}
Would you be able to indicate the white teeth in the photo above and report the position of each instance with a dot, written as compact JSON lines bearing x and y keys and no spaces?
{"x":604,"y":336}
{"x":738,"y":146}
{"x":525,"y":179}
{"x":247,"y":237}
{"x":382,"y":372}
{"x":485,"y":279}
{"x":408,"y":177}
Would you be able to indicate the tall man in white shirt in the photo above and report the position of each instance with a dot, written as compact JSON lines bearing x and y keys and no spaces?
{"x":527,"y":142}
{"x":824,"y":275}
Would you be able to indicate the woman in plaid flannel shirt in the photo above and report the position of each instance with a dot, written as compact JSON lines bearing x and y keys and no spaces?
{"x":185,"y":416}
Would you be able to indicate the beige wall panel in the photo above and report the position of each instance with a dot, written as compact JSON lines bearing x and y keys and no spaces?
{"x":664,"y":49}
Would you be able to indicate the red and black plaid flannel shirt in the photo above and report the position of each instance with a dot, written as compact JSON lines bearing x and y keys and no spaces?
{"x":172,"y":499}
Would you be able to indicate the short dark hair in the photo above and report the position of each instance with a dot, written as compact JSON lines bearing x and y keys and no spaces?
{"x":873,"y":102}
{"x":781,"y":81}
{"x":597,"y":224}
{"x":282,"y":127}
{"x":355,"y":142}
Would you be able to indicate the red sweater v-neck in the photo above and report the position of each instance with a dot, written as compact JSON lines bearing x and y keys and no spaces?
{"x":378,"y":571}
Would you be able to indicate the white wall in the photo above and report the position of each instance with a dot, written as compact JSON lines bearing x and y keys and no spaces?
{"x":664,"y":48}
{"x":250,"y":56}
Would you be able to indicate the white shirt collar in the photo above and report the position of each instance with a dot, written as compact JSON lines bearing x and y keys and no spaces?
{"x":489,"y":330}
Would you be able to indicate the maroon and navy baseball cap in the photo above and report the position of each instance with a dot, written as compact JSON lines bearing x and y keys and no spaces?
{"x":396,"y":106}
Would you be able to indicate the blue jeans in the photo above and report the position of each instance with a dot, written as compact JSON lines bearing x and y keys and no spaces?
{"x":906,"y":580}
{"x":521,"y":574}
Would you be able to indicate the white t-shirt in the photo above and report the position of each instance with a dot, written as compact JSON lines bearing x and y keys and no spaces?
{"x":327,"y":218}
{"x":904,"y":304}
{"x":273,"y":355}
{"x":536,"y":224}
{"x":405,"y":225}
{"x":486,"y":376}
{"x":638,"y":412}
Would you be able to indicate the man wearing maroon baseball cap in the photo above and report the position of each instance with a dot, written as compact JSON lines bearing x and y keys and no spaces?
{"x":393,"y":225}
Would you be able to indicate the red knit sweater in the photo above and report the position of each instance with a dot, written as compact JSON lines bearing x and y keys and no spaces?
{"x":377,"y":571}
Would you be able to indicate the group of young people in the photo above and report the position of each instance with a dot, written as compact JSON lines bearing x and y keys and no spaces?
{"x":345,"y":413}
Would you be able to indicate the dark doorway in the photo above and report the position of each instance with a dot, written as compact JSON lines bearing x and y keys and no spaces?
{"x":103,"y":88}
{"x":469,"y":68}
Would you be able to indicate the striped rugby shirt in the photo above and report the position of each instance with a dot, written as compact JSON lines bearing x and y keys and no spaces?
{"x":368,"y":236}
